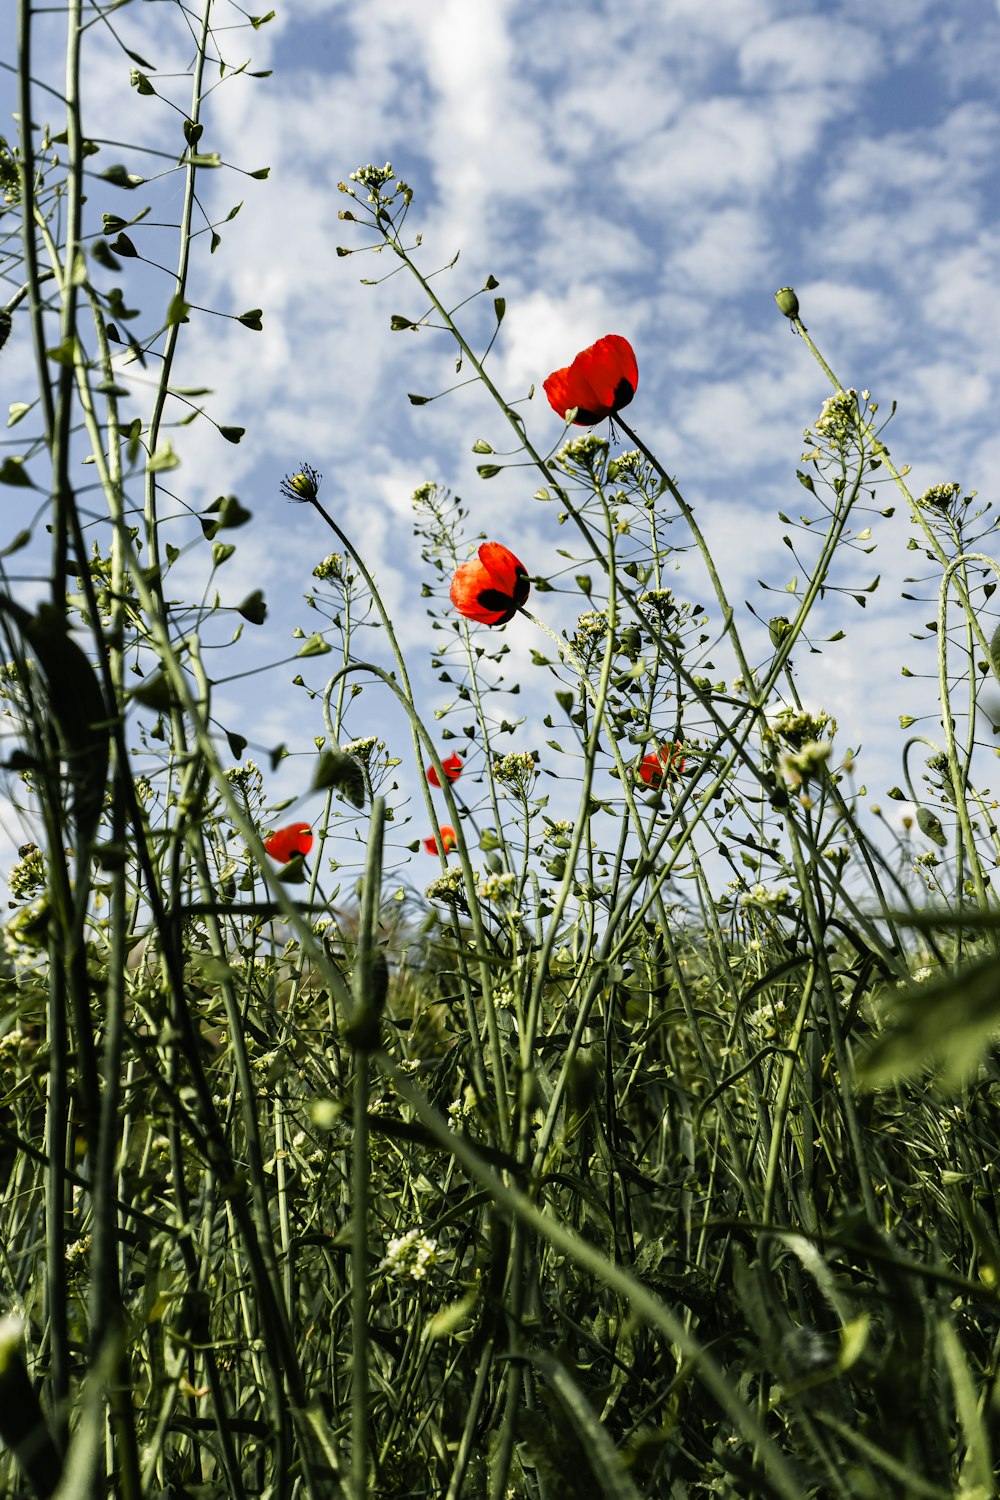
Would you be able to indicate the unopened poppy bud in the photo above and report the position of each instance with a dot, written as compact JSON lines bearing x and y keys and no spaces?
{"x":787,"y":302}
{"x":303,"y":485}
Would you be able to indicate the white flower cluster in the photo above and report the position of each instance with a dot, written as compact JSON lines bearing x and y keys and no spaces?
{"x":410,"y":1256}
{"x":496,"y":887}
{"x":592,"y":624}
{"x":798,"y":765}
{"x":517,"y":769}
{"x":247,"y":777}
{"x":447,"y":888}
{"x":331,"y":566}
{"x":657,"y":603}
{"x":797,"y":726}
{"x":838,"y":418}
{"x":27,"y":877}
{"x":373,"y":178}
{"x":363,"y":748}
{"x":585,"y":453}
{"x":939,"y":496}
{"x":774,"y":898}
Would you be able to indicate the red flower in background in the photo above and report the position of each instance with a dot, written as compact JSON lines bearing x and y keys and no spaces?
{"x":599,"y":382}
{"x":447,"y":837}
{"x":492,"y":587}
{"x":285,"y":842}
{"x":667,"y":761}
{"x":452,"y":768}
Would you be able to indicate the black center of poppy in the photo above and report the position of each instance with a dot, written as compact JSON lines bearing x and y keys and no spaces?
{"x":493,"y":599}
{"x":624,"y":391}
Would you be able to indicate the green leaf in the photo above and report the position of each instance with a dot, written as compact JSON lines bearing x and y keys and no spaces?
{"x":930,"y":825}
{"x":154,"y":692}
{"x":252,"y":319}
{"x":101,"y":253}
{"x":21,"y":540}
{"x":253,"y":608}
{"x":64,"y":353}
{"x":178,"y":310}
{"x":119,"y":176}
{"x":314,"y":646}
{"x":946,"y":1024}
{"x":340,"y":771}
{"x":12,"y":471}
{"x":228,"y":513}
{"x":163,"y":459}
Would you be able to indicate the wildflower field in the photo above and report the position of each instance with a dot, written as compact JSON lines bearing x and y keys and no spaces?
{"x":624,"y":1127}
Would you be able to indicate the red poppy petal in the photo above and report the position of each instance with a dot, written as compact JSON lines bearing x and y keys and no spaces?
{"x":600,"y":381}
{"x":296,"y":838}
{"x":502,"y":566}
{"x":557,"y":389}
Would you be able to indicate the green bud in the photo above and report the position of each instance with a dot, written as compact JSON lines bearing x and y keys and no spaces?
{"x":778,"y":627}
{"x":787,"y":302}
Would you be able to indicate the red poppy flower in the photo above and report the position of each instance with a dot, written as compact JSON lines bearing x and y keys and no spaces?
{"x":492,"y":587}
{"x":448,"y":840}
{"x":667,"y":761}
{"x":452,"y":768}
{"x":284,"y":842}
{"x":599,"y":382}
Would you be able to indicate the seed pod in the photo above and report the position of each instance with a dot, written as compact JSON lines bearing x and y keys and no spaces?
{"x":6,"y":323}
{"x":787,"y":302}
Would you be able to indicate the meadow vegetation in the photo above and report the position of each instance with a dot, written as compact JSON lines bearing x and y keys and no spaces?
{"x":646,"y":1148}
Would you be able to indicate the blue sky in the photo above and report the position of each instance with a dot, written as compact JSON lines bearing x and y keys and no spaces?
{"x":654,"y":168}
